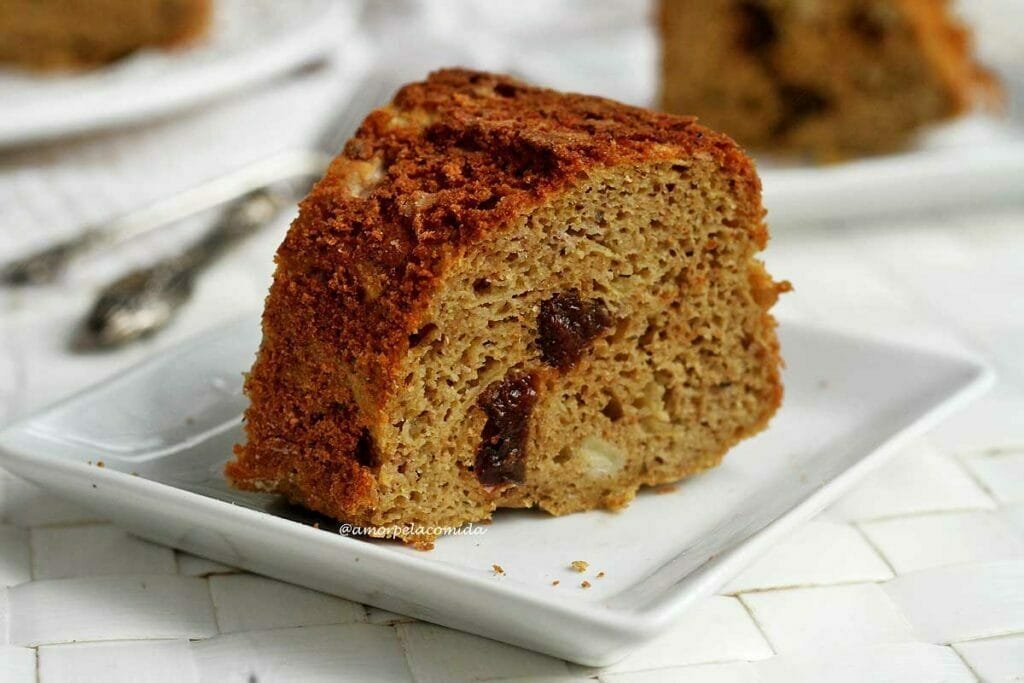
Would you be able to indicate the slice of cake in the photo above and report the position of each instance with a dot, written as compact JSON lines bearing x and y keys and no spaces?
{"x":832,"y":78}
{"x":505,"y":296}
{"x":76,"y":34}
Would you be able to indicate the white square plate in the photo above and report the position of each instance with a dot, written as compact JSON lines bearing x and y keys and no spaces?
{"x":172,"y":421}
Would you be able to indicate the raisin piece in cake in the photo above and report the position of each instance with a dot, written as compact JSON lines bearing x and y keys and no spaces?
{"x":567,"y":325}
{"x":501,"y":456}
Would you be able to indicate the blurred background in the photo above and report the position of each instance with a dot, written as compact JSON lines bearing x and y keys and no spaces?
{"x":80,"y":148}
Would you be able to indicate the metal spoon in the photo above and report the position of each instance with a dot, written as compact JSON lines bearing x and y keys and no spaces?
{"x":48,"y":264}
{"x":144,"y":301}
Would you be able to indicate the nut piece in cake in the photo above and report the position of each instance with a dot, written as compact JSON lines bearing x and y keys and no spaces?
{"x":543,"y":300}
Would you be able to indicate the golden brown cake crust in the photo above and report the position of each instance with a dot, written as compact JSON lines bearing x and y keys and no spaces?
{"x":450,"y":163}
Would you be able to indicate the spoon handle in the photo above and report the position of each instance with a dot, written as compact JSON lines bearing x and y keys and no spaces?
{"x":145,"y":300}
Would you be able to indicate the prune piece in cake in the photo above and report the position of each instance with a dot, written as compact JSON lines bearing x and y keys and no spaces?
{"x":798,"y":105}
{"x":757,"y":27}
{"x":566,"y":326}
{"x":501,"y":455}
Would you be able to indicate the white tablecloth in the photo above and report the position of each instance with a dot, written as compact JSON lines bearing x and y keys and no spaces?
{"x":917,"y":574}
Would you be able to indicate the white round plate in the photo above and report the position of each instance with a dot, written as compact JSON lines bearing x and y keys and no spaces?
{"x":249,"y":41}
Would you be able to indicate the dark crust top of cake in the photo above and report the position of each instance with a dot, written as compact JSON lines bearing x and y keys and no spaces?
{"x":452,"y":160}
